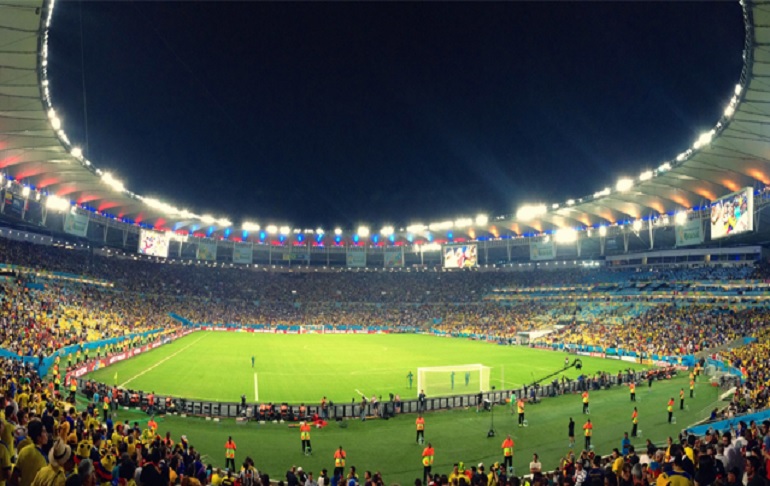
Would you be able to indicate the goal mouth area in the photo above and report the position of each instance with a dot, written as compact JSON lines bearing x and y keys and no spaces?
{"x":453,"y":379}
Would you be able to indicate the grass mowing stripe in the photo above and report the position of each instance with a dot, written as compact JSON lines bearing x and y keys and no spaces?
{"x":160,"y":363}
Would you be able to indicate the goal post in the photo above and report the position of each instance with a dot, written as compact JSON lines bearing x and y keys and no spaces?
{"x":453,"y":380}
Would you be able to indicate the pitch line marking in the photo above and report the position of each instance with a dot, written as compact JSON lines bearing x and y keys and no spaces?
{"x":256,"y":389}
{"x":158,"y":363}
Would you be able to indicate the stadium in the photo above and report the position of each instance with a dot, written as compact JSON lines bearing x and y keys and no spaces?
{"x":146,"y":344}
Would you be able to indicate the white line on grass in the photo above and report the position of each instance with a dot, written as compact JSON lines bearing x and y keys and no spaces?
{"x":256,"y":389}
{"x":158,"y":363}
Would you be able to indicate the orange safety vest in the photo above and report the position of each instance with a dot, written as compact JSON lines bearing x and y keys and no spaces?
{"x":420,"y":423}
{"x":230,"y":449}
{"x":589,"y":428}
{"x":632,"y":387}
{"x":635,"y":417}
{"x":304,"y":432}
{"x":427,"y":456}
{"x":520,"y":405}
{"x":339,"y":458}
{"x":671,"y":405}
{"x":585,"y":397}
{"x":681,"y":394}
{"x":507,"y":447}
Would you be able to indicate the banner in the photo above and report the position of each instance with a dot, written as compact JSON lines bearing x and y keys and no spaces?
{"x":462,"y":256}
{"x":14,"y":204}
{"x":153,"y":243}
{"x":733,"y":214}
{"x":34,"y":212}
{"x":690,"y":233}
{"x":393,"y":257}
{"x":542,"y":250}
{"x":76,"y":223}
{"x":207,"y":250}
{"x":242,"y":253}
{"x":292,"y":256}
{"x":355,"y":257}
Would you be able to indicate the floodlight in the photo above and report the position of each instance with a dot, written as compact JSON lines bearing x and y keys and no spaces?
{"x":387,"y":231}
{"x":208,"y":219}
{"x":284,"y":230}
{"x":76,"y":152}
{"x":604,"y":192}
{"x":363,"y":231}
{"x":637,"y":225}
{"x":566,"y":235}
{"x":416,"y":228}
{"x":729,"y":111}
{"x":56,"y":123}
{"x":624,"y":184}
{"x":680,"y":218}
{"x":247,"y":226}
{"x":444,"y":225}
{"x":463,"y":222}
{"x":664,"y":167}
{"x":482,"y":219}
{"x":25,"y":191}
{"x":570,"y":202}
{"x":738,"y":89}
{"x":529,"y":212}
{"x":319,"y":231}
{"x":602,"y":231}
{"x":272,"y":229}
{"x":57,"y":203}
{"x":112,"y":182}
{"x":645,"y":176}
{"x":224,"y":222}
{"x":337,"y":231}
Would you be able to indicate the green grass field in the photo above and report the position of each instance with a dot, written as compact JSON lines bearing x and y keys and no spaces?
{"x":296,"y":368}
{"x":303,"y":368}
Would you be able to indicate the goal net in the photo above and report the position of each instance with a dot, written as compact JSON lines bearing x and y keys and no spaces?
{"x":453,"y":380}
{"x":312,"y":329}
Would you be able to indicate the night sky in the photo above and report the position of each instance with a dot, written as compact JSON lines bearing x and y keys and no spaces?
{"x":345,"y":113}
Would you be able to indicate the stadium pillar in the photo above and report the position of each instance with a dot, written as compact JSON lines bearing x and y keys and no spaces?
{"x":579,"y":246}
{"x":507,"y":249}
{"x":106,"y":228}
{"x":486,"y":253}
{"x":125,"y":237}
{"x":269,"y":254}
{"x":602,"y":242}
{"x":652,"y":236}
{"x":45,"y":213}
{"x":625,"y":241}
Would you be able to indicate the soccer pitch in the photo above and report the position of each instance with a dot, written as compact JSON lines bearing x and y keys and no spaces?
{"x":303,"y":368}
{"x":217,"y":366}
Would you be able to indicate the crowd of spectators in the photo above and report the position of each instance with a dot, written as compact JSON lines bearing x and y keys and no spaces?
{"x":38,"y":316}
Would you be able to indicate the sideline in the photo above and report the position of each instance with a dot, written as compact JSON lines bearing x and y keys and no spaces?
{"x":122,"y":385}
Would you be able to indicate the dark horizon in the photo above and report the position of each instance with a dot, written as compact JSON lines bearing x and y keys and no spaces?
{"x":336,"y":114}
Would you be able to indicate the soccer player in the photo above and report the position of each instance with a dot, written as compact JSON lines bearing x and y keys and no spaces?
{"x":520,"y":410}
{"x":427,"y":462}
{"x":571,"y":433}
{"x":230,"y":454}
{"x":467,"y":378}
{"x":670,"y":408}
{"x":420,"y":423}
{"x":692,"y":387}
{"x":634,"y":421}
{"x":507,"y":452}
{"x":585,"y":401}
{"x":252,"y":361}
{"x":452,"y":379}
{"x":410,"y":377}
{"x":304,"y":435}
{"x":588,"y":429}
{"x":421,"y":402}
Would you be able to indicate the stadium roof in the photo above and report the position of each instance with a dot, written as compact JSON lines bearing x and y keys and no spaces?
{"x":35,"y":150}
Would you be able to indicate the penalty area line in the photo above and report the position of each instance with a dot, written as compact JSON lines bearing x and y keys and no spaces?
{"x":122,"y":385}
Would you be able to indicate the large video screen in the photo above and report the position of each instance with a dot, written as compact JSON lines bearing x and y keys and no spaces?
{"x":733,"y":214}
{"x":465,"y":256}
{"x":153,"y":243}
